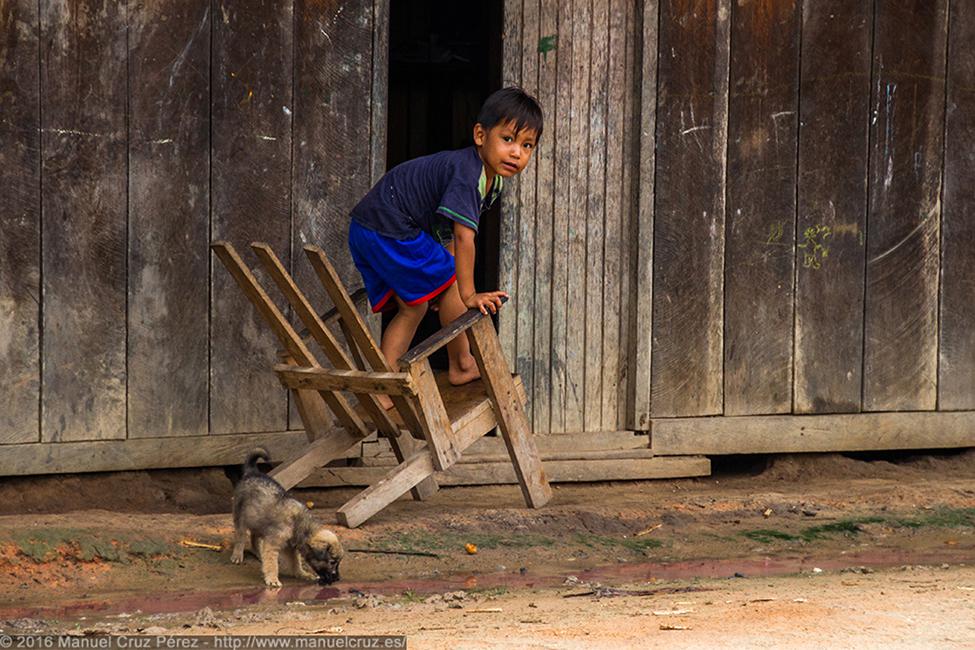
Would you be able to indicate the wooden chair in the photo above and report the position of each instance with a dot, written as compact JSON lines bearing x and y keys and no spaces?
{"x":440,"y":420}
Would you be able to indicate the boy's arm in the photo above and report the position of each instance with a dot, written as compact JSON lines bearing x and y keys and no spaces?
{"x":464,"y":262}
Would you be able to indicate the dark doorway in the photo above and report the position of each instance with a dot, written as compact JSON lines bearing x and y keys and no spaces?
{"x":444,"y":60}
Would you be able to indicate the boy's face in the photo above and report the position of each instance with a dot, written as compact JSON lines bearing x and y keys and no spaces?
{"x":505,"y":152}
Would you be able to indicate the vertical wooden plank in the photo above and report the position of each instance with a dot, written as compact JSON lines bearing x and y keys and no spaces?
{"x":956,"y":380}
{"x":832,"y":195}
{"x":332,"y":142}
{"x":168,"y":254}
{"x":575,"y":344}
{"x":596,"y":217}
{"x":527,"y":259}
{"x":83,"y":88}
{"x":616,"y":133}
{"x":561,"y":169}
{"x":251,"y":200}
{"x":689,"y":218}
{"x":380,"y":89}
{"x":640,"y":320}
{"x":903,"y":223}
{"x":20,"y":226}
{"x":760,"y":253}
{"x":548,"y":57}
{"x":510,"y":198}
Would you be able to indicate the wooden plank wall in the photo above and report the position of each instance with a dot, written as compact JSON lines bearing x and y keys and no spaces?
{"x":766,"y":231}
{"x":832,"y":198}
{"x":169,"y":204}
{"x":737,"y":208}
{"x":956,"y":379}
{"x":566,"y":219}
{"x":20,"y":224}
{"x":132,"y":136}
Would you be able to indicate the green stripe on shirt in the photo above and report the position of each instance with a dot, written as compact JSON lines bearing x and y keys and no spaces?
{"x":465,"y":220}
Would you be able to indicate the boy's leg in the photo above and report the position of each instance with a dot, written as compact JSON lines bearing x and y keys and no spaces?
{"x":398,"y":336}
{"x":463,"y":367}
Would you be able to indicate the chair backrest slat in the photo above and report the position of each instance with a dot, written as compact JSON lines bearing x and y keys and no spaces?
{"x":318,"y":330}
{"x":262,"y":302}
{"x":355,"y":329}
{"x":312,"y":321}
{"x":289,"y":338}
{"x":336,"y":291}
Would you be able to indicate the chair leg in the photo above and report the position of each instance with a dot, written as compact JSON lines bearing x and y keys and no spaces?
{"x":379,"y":495}
{"x":294,"y":470}
{"x":510,"y":412}
{"x":404,"y":446}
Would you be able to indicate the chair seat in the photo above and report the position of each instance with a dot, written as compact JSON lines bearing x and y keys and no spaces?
{"x":464,"y":401}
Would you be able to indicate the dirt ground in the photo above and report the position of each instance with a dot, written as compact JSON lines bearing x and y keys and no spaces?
{"x":788,"y":551}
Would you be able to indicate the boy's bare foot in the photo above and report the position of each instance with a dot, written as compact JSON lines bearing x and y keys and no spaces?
{"x":465,"y":373}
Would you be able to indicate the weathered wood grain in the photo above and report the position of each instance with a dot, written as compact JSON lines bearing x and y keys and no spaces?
{"x":545,"y":203}
{"x":380,"y":89}
{"x":168,"y":218}
{"x":436,"y":426}
{"x":511,"y":197}
{"x":832,"y":197}
{"x":385,"y":489}
{"x":761,"y":215}
{"x":359,"y":337}
{"x":561,"y":471}
{"x":333,"y":146}
{"x":689,"y":219}
{"x":614,"y":239}
{"x":354,"y":381}
{"x":903,"y":229}
{"x":297,"y":352}
{"x":510,"y":414}
{"x":20,"y":224}
{"x":559,"y":445}
{"x":443,"y":336}
{"x":642,"y":186}
{"x":774,"y":434}
{"x":578,"y":198}
{"x":956,"y":377}
{"x":251,"y":127}
{"x":83,"y":144}
{"x":323,"y":449}
{"x":561,"y":169}
{"x":595,"y":218}
{"x":145,"y":453}
{"x":527,"y":254}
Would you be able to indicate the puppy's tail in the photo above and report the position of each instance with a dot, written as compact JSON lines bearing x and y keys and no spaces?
{"x":250,"y":464}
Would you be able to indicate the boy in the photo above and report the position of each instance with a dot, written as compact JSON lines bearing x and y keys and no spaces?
{"x":412,"y":235}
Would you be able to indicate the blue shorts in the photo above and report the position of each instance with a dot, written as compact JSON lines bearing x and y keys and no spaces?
{"x":416,"y":270}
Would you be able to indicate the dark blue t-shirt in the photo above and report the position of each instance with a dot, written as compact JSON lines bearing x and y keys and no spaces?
{"x":428,"y":194}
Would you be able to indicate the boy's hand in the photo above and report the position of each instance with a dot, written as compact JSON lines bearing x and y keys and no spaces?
{"x":489,"y":300}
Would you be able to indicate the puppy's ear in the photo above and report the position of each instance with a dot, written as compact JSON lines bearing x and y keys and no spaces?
{"x":326,"y":539}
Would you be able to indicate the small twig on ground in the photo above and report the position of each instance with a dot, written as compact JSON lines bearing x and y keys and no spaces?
{"x":385,"y":551}
{"x":191,"y":544}
{"x":648,"y":530}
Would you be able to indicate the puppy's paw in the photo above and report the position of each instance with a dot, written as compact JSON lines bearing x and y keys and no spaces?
{"x":272,"y":583}
{"x":237,"y":557}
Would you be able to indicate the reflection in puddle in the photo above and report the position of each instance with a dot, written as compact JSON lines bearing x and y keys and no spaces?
{"x":173,"y":602}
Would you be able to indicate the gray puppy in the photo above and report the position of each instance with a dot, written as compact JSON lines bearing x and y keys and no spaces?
{"x":278,"y":524}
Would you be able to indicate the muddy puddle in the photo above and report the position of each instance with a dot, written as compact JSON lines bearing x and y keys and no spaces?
{"x":122,"y":605}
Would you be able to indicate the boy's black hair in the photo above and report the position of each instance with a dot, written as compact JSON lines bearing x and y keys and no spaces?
{"x":512,"y":104}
